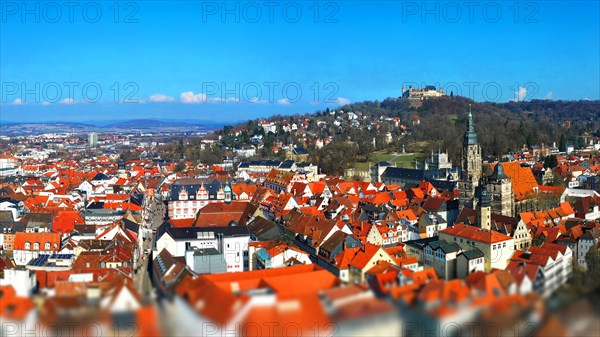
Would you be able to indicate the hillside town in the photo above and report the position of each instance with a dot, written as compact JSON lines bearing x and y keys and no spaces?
{"x":94,"y":239}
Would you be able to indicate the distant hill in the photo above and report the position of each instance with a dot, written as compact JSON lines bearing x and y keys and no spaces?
{"x":501,"y":127}
{"x":147,"y":124}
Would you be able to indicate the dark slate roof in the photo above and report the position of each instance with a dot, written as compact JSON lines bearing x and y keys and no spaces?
{"x":264,"y":163}
{"x":382,"y":163}
{"x":415,"y":174}
{"x":6,"y":216}
{"x":287,"y":164}
{"x":421,"y":243}
{"x":85,"y":229}
{"x":12,"y":201}
{"x":263,"y":229}
{"x":137,"y":199}
{"x":447,"y":247}
{"x":299,"y":150}
{"x":498,"y":173}
{"x":183,"y":233}
{"x":96,"y":205}
{"x":32,"y":219}
{"x":472,"y":254}
{"x":12,"y":227}
{"x":373,"y":209}
{"x":333,"y":241}
{"x":101,"y":176}
{"x":130,"y":225}
{"x":193,"y":185}
{"x":470,"y":137}
{"x":484,"y":199}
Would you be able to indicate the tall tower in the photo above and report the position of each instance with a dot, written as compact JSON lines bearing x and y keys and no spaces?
{"x":485,"y":209}
{"x":501,"y":192}
{"x":470,"y":165}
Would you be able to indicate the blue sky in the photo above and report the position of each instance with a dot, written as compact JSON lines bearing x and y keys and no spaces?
{"x":229,"y":61}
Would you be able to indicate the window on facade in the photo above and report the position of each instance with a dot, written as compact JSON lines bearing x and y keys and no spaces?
{"x":47,"y":246}
{"x":36,"y":246}
{"x":27,"y":245}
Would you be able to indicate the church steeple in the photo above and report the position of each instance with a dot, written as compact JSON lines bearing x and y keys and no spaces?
{"x":470,"y":134}
{"x":484,"y":207}
{"x":470,"y":165}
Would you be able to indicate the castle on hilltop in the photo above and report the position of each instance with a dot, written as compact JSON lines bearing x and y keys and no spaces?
{"x":421,"y":94}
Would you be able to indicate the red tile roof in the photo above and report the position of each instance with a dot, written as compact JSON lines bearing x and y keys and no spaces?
{"x":42,"y":238}
{"x":476,"y":233}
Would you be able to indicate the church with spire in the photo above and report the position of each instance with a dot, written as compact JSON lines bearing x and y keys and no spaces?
{"x":470,"y":173}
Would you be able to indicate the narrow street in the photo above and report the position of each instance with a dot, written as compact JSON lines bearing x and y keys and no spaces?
{"x":153,"y":217}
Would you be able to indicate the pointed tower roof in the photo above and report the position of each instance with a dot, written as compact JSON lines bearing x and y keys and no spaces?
{"x":498,"y":173}
{"x":470,"y":137}
{"x":484,"y":199}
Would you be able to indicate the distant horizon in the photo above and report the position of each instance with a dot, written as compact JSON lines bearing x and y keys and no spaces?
{"x":244,"y":116}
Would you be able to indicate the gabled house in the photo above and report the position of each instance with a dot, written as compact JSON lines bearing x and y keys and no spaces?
{"x":31,"y":245}
{"x":366,"y":257}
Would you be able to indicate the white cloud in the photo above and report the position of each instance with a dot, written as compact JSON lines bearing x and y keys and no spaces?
{"x":189,"y":97}
{"x":256,"y":100}
{"x":520,"y":95}
{"x":67,"y":101}
{"x":343,"y":101}
{"x":549,"y":95}
{"x":160,"y":98}
{"x":45,"y":103}
{"x":225,"y":100}
{"x":18,"y":101}
{"x":283,"y":101}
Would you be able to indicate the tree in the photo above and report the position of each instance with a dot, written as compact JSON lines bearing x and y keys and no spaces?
{"x":334,"y":158}
{"x":550,"y":161}
{"x":562,"y":144}
{"x":180,"y":166}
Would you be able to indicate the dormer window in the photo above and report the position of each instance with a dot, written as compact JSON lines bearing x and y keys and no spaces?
{"x":47,"y":246}
{"x":36,"y":246}
{"x":183,"y":195}
{"x":27,"y":245}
